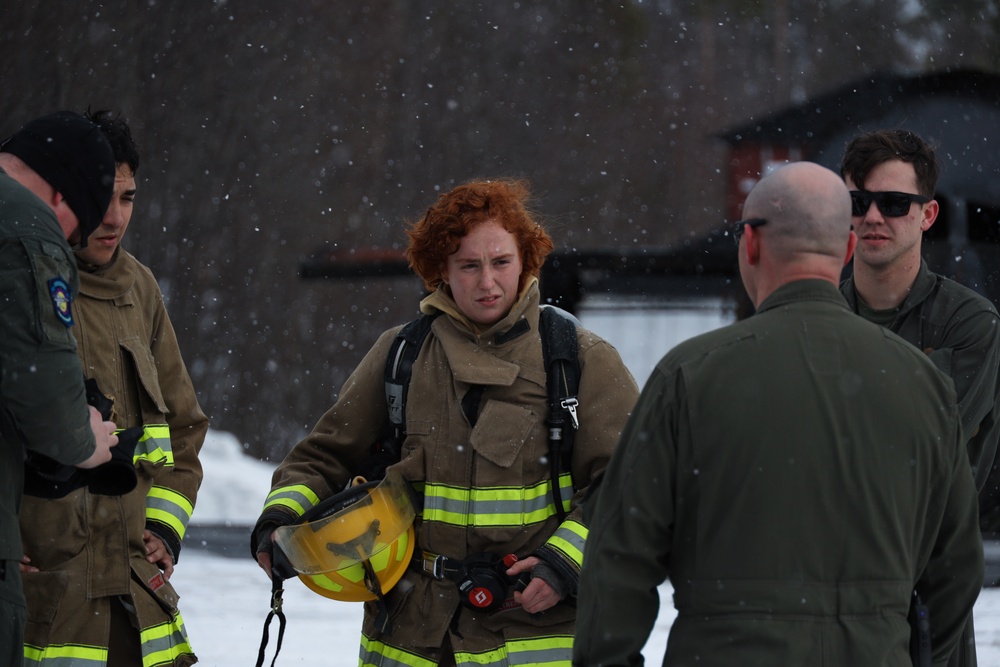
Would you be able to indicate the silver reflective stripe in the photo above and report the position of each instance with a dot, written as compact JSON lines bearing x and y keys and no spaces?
{"x":553,"y":651}
{"x":298,"y":498}
{"x":163,"y":644}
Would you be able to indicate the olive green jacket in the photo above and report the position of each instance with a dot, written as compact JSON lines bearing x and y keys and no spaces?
{"x":959,"y":331}
{"x":795,"y":475}
{"x":42,"y":402}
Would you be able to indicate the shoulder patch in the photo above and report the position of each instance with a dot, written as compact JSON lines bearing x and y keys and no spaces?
{"x":62,"y":300}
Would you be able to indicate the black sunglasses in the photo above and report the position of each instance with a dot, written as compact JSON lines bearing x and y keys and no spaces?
{"x":738,"y":227}
{"x":891,"y":204}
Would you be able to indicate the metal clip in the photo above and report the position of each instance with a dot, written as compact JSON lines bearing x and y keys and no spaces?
{"x":569,"y":405}
{"x":438,"y":569}
{"x":276,"y":601}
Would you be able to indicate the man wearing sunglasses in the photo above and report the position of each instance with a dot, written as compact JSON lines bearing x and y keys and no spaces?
{"x":892,"y":175}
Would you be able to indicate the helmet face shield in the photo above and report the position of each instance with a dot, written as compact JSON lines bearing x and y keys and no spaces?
{"x":366,"y":529}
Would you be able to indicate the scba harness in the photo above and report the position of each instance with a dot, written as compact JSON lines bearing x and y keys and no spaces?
{"x":560,"y":354}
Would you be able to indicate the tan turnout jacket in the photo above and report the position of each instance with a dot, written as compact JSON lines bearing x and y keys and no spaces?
{"x":90,"y":547}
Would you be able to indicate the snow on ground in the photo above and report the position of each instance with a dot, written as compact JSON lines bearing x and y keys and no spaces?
{"x":226,"y":600}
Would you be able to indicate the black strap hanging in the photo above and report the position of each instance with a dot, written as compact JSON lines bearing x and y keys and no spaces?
{"x":276,"y":592}
{"x":562,"y":367}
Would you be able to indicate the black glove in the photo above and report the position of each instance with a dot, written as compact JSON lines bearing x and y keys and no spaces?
{"x":117,"y":477}
{"x":47,"y":478}
{"x":260,"y":541}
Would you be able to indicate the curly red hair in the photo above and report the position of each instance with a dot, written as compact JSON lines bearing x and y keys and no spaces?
{"x":439,"y":233}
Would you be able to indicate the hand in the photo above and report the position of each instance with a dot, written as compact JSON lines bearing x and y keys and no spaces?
{"x":156,"y":552}
{"x":264,"y":559}
{"x":538,"y":596}
{"x":24,"y":567}
{"x":104,"y":434}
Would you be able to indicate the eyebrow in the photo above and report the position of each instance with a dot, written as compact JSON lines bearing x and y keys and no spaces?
{"x":476,"y":258}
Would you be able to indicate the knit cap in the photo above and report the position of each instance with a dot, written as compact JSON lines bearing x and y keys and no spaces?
{"x":72,"y":155}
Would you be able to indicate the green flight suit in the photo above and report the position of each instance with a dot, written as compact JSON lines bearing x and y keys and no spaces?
{"x":796,"y":475}
{"x":957,"y":329}
{"x":44,"y":407}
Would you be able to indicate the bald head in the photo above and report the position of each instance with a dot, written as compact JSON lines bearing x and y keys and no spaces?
{"x":807,"y":234}
{"x":807,"y":208}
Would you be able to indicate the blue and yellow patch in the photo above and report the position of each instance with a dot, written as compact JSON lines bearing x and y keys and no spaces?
{"x":62,"y":300}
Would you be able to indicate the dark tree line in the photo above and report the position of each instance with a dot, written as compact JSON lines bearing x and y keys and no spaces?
{"x":271,"y":130}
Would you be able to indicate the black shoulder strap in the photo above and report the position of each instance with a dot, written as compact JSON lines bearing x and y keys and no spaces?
{"x":560,"y":353}
{"x":399,"y":369}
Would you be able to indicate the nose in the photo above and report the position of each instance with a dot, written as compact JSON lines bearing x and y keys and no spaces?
{"x":873,"y":214}
{"x":486,"y":278}
{"x":114,"y":217}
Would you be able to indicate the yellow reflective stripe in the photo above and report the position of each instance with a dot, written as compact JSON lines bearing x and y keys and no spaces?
{"x":299,"y":498}
{"x":552,"y":651}
{"x":379,"y":654}
{"x":329,"y":584}
{"x":494,"y":506}
{"x":154,"y":445}
{"x":169,"y":507}
{"x":569,"y":539}
{"x":163,"y":644}
{"x":65,"y":655}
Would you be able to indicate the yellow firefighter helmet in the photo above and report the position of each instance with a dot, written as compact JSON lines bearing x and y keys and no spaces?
{"x":356,"y":545}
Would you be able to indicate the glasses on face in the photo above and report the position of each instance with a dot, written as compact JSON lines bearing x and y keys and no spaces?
{"x":890,"y":204}
{"x":738,"y":227}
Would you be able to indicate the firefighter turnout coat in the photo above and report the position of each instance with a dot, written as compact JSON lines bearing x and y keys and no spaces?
{"x":482,"y":488}
{"x":88,"y":547}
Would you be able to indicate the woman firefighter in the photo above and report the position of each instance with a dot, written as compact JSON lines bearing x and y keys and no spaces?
{"x":495,"y":453}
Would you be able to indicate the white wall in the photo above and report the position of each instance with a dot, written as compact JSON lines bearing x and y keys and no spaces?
{"x":643,"y":331}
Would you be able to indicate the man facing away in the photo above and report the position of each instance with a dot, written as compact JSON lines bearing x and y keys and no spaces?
{"x":892,"y":175}
{"x":56,"y":177}
{"x":98,"y":565}
{"x":796,"y":475}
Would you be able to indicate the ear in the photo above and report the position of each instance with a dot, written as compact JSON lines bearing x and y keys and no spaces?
{"x":929,"y":214}
{"x":852,"y":243}
{"x":68,"y":221}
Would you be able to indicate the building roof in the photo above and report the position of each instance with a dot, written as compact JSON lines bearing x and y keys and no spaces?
{"x":860,"y":102}
{"x":957,"y":112}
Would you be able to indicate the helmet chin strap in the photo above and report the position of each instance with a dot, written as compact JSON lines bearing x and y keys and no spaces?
{"x":375,"y":588}
{"x":360,"y":546}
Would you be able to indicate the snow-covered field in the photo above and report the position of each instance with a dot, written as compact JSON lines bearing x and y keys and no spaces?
{"x":225,"y":600}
